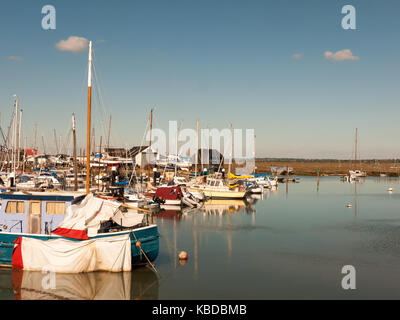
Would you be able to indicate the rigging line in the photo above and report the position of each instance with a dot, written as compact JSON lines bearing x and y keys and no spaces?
{"x":2,"y":134}
{"x":101,"y":102}
{"x":67,"y":142}
{"x":140,"y":147}
{"x":96,"y":121}
{"x":99,"y":87}
{"x":98,"y":93}
{"x":8,"y":134}
{"x":7,"y":156}
{"x":99,"y":99}
{"x":178,"y":153}
{"x":63,"y":143}
{"x":82,"y":124}
{"x":99,"y":83}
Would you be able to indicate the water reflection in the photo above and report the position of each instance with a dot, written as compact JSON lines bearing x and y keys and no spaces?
{"x":140,"y":283}
{"x":292,"y":247}
{"x":355,"y":200}
{"x":263,"y":247}
{"x":220,"y":207}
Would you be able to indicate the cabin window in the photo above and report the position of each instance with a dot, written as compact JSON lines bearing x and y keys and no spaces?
{"x":34,"y":217}
{"x":15,"y":207}
{"x":55,"y":207}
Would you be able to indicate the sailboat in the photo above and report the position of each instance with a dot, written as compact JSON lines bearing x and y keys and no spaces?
{"x":74,"y":232}
{"x":355,"y":174}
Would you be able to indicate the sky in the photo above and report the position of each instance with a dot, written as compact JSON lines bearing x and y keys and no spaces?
{"x":286,"y":69}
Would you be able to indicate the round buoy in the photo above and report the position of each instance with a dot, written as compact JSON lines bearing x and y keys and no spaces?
{"x":138,"y":244}
{"x":390,"y":189}
{"x":349,"y":205}
{"x":183,"y":255}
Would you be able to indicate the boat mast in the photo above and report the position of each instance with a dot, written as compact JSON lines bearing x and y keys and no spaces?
{"x":176,"y":150}
{"x":35,"y":135}
{"x":75,"y":162}
{"x":55,"y":142}
{"x":108,"y":137}
{"x":44,"y":146}
{"x":151,"y":127}
{"x":15,"y":131}
{"x":19,"y":137}
{"x":89,"y":119}
{"x":197,"y":148}
{"x":231,"y":158}
{"x":254,"y":155}
{"x":355,"y":149}
{"x":23,"y":163}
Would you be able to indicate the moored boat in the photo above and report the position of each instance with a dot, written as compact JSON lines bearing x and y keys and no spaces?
{"x":216,"y":188}
{"x":40,"y":215}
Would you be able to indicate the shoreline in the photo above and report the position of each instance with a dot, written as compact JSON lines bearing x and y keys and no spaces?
{"x":330,"y":168}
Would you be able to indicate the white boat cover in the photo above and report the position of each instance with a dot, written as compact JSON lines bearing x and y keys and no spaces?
{"x":83,"y":220}
{"x":69,"y":256}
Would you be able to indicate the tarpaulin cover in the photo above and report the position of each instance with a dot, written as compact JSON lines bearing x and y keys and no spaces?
{"x":169,"y":193}
{"x":83,"y":220}
{"x":261,"y":175}
{"x":68,"y":256}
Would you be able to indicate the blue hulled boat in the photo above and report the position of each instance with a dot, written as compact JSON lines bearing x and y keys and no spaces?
{"x":37,"y":214}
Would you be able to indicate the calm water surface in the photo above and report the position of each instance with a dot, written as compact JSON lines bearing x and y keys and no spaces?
{"x":290,"y":243}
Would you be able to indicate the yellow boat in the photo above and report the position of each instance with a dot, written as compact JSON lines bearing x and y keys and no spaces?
{"x":218,"y":189}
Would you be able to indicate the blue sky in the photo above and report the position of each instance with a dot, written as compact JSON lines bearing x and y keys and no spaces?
{"x":220,"y":61}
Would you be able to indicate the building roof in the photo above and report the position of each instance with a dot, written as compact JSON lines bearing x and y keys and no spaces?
{"x":122,"y":152}
{"x":134,"y":151}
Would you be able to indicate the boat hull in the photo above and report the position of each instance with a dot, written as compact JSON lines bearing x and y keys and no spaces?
{"x":147,"y":236}
{"x":215,"y":194}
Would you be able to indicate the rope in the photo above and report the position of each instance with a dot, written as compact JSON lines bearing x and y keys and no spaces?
{"x":140,"y":247}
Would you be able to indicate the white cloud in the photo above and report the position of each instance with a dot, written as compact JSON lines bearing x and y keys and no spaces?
{"x":73,"y":44}
{"x":16,"y":58}
{"x":297,"y":56}
{"x":340,"y":55}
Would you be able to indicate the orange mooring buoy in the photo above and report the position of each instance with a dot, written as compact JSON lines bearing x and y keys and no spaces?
{"x":138,"y":244}
{"x":183,"y":255}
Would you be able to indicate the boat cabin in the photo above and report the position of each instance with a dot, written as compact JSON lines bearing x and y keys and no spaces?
{"x":215,"y":182}
{"x":169,"y":193}
{"x":38,"y":213}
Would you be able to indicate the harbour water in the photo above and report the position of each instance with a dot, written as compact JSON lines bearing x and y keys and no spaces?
{"x":290,"y":243}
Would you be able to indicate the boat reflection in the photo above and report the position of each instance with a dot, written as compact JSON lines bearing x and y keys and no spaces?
{"x":169,"y":214}
{"x":211,"y":207}
{"x":140,"y":283}
{"x":220,"y":206}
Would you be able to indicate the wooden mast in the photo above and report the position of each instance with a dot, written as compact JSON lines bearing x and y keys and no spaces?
{"x":75,"y":162}
{"x":89,"y":119}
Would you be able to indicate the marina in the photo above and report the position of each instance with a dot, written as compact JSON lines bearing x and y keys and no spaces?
{"x":139,"y":211}
{"x":200,"y":155}
{"x":268,"y":239}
